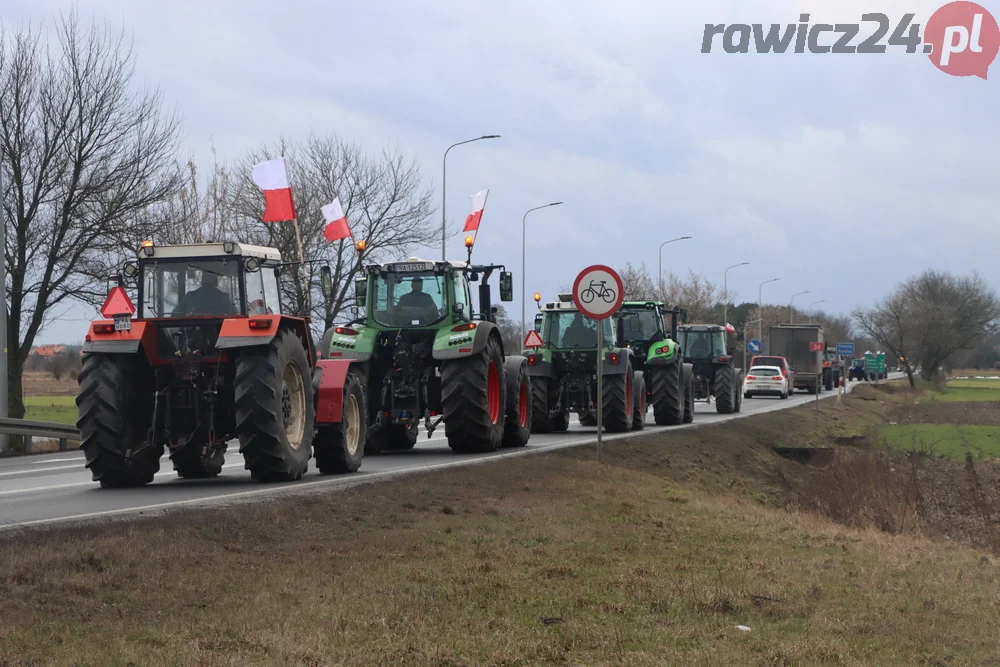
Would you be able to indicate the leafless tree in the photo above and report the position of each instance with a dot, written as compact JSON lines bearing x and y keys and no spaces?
{"x":930,"y":317}
{"x":83,"y":152}
{"x":383,"y":196}
{"x":696,"y":294}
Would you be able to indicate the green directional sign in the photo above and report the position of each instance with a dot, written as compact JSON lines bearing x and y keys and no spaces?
{"x":875,"y":363}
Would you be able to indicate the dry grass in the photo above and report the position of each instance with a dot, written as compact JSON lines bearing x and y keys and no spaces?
{"x":43,"y":384}
{"x":544,"y":560}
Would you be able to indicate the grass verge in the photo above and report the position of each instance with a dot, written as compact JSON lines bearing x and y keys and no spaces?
{"x":651,"y":558}
{"x":952,"y":441}
{"x":59,"y":409}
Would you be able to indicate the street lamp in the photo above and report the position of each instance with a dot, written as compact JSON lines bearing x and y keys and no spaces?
{"x":811,"y":307}
{"x":725,"y":293}
{"x":680,"y":238}
{"x":523,"y":270}
{"x":760,"y":310}
{"x":746,"y":327}
{"x":444,"y":175}
{"x":3,"y":311}
{"x":791,"y":311}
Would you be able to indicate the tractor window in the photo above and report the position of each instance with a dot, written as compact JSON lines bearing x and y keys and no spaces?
{"x":641,"y":325}
{"x":271,"y":294}
{"x":571,"y":330}
{"x":409,"y":299}
{"x":702,"y":344}
{"x":262,"y":292}
{"x":177,"y":289}
{"x":462,"y":293}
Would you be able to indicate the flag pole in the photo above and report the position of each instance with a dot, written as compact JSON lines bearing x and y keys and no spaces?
{"x":298,"y":242}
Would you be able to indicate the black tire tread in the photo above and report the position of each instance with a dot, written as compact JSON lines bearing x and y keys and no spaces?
{"x":725,"y":400}
{"x":668,"y":395}
{"x":639,"y":401}
{"x":615,"y":414}
{"x":464,"y":401}
{"x":516,"y":374}
{"x":330,"y":445}
{"x":263,"y":443}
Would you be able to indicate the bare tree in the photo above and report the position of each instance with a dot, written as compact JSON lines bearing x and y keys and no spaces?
{"x":384,"y":197}
{"x":930,"y":317}
{"x":637,"y":282}
{"x":83,"y":153}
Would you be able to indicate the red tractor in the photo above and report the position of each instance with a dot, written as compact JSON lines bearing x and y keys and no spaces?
{"x":210,"y":358}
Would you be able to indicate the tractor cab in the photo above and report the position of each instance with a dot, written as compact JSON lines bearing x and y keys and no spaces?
{"x":642,"y":324}
{"x":705,"y":342}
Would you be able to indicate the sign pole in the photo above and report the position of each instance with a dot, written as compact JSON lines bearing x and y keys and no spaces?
{"x":600,"y":387}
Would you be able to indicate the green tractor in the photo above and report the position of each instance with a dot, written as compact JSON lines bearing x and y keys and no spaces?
{"x":715,"y":375}
{"x":658,"y":356}
{"x":564,"y":374}
{"x":422,"y":354}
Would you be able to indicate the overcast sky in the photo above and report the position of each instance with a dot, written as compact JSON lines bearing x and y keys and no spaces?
{"x":840,"y":174}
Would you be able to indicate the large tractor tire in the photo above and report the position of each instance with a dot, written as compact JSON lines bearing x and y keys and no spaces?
{"x":275,"y":411}
{"x":688,"y":376}
{"x":639,"y":400}
{"x":540,"y":421}
{"x":340,"y":447}
{"x":725,"y":398}
{"x":473,"y":400}
{"x":738,"y":393}
{"x":391,"y":438}
{"x":828,"y":381}
{"x":110,"y":436}
{"x":517,"y":428}
{"x":668,"y":395}
{"x":617,"y":402}
{"x":190,"y":463}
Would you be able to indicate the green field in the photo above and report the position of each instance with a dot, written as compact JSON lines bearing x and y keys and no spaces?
{"x":964,"y":390}
{"x":947,"y":440}
{"x":60,"y":409}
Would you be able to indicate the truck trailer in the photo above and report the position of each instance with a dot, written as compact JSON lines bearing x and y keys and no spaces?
{"x":792,"y":341}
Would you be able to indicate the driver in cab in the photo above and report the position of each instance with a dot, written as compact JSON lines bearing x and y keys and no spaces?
{"x":207,"y":299}
{"x":418,"y":304}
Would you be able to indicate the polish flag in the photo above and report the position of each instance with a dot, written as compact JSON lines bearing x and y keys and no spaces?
{"x":478,"y":204}
{"x":730,"y":328}
{"x":272,"y":178}
{"x":336,"y":222}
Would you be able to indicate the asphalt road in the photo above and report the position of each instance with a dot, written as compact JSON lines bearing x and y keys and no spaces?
{"x":55,"y":488}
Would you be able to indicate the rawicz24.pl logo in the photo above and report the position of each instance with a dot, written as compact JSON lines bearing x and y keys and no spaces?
{"x":960,"y":38}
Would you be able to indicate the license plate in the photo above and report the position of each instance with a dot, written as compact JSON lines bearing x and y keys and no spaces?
{"x":411,"y":267}
{"x":123,"y":323}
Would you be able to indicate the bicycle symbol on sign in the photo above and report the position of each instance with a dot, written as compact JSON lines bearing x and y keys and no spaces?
{"x":602,"y":291}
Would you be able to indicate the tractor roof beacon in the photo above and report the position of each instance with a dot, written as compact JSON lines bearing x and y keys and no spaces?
{"x":564,"y":373}
{"x":424,"y":354}
{"x":708,"y":348}
{"x":642,"y":326}
{"x":210,"y":357}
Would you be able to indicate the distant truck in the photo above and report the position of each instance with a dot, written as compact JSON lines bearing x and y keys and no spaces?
{"x":791,"y":341}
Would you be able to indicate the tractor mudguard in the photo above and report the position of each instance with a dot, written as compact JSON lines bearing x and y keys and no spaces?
{"x":236,"y":332}
{"x":450,"y":344}
{"x":540,"y":364}
{"x":117,"y":342}
{"x":624,"y":354}
{"x":662,"y":352}
{"x":350,"y":346}
{"x":329,"y":378}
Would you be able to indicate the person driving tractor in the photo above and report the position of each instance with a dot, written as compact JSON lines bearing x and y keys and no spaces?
{"x":207,"y":299}
{"x":419,"y":301}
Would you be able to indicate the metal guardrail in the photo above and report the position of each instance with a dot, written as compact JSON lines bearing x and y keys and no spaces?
{"x":46,"y":430}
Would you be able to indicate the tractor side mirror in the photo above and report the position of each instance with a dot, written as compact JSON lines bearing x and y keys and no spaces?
{"x":130,"y":269}
{"x":114,"y":280}
{"x":538,"y":322}
{"x":506,"y":286}
{"x":326,"y":281}
{"x":361,"y":290}
{"x":252,"y":265}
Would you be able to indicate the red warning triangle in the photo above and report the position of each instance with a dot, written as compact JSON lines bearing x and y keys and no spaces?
{"x":532,"y":339}
{"x":117,"y":303}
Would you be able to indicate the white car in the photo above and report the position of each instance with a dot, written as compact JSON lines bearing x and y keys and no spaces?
{"x":765,"y":381}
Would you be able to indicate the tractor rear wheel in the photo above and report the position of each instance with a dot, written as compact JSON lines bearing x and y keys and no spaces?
{"x":517,"y":428}
{"x":688,"y":376}
{"x":275,"y":412}
{"x":540,"y":420}
{"x":668,"y":395}
{"x":112,"y":434}
{"x":639,"y":399}
{"x":190,"y":463}
{"x":473,"y":400}
{"x":738,"y":393}
{"x":725,"y":400}
{"x":340,"y":447}
{"x":618,"y":400}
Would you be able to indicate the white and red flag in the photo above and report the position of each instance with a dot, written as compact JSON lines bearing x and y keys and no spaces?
{"x":474,"y":218}
{"x":730,"y":328}
{"x":272,"y":178}
{"x":336,"y":222}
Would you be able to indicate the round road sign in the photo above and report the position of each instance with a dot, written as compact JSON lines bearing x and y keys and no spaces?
{"x":598,"y":292}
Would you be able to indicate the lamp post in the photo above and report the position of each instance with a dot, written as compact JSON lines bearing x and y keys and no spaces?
{"x":760,"y":310}
{"x":660,"y":273}
{"x":444,"y":176}
{"x":3,"y":312}
{"x":725,"y":293}
{"x":791,"y":311}
{"x":524,"y":275}
{"x":746,"y":327}
{"x":811,"y":307}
